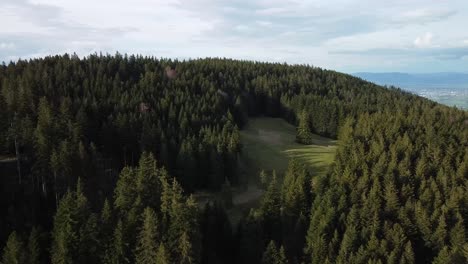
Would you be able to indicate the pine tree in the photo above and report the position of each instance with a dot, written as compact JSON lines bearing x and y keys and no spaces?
{"x":89,"y":241}
{"x":407,"y":256}
{"x":147,"y":182}
{"x":271,"y":201}
{"x":162,"y":256}
{"x":304,"y":134}
{"x":44,"y":138}
{"x":34,"y":250}
{"x":296,"y":189}
{"x":443,"y":257}
{"x":64,"y":235}
{"x":391,"y":198}
{"x":125,"y":191}
{"x":13,"y":252}
{"x":106,"y":216}
{"x":270,"y":255}
{"x":185,"y":249}
{"x":282,"y":256}
{"x":74,"y":230}
{"x":117,"y":253}
{"x":440,"y":233}
{"x":147,"y":244}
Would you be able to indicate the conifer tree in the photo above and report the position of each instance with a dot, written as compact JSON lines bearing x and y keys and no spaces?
{"x":147,"y":182}
{"x":64,"y":234}
{"x":304,"y":134}
{"x":162,"y":256}
{"x":282,"y":256}
{"x":185,"y":249}
{"x":44,"y":135}
{"x":106,"y":218}
{"x":125,"y":191}
{"x":147,"y":244}
{"x":443,"y":257}
{"x":74,"y":231}
{"x":33,"y":247}
{"x":13,"y":252}
{"x":407,"y":256}
{"x":271,"y":201}
{"x":117,"y":253}
{"x":270,"y":255}
{"x":89,"y":240}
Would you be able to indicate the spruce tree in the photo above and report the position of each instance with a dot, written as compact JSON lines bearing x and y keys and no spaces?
{"x":162,"y":256}
{"x":13,"y":252}
{"x":117,"y":253}
{"x":443,"y":257}
{"x":34,"y":248}
{"x":147,"y":243}
{"x":304,"y":134}
{"x":282,"y":256}
{"x":185,"y":249}
{"x":147,"y":182}
{"x":64,"y":234}
{"x":407,"y":257}
{"x":74,"y":230}
{"x":270,"y":255}
{"x":271,"y":201}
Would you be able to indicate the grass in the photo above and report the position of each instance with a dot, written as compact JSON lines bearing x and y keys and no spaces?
{"x":269,"y":144}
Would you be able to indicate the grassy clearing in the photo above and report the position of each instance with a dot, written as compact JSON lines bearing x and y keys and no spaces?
{"x":269,"y":143}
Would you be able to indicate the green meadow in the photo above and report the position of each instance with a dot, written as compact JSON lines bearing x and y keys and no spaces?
{"x":269,"y":144}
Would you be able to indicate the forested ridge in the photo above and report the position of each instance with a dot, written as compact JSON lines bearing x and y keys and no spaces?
{"x":100,"y":155}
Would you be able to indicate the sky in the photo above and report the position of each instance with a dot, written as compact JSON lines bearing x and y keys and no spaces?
{"x":418,"y":36}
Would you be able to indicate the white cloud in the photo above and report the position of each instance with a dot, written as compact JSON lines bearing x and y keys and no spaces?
{"x":264,"y":23}
{"x":423,"y":41}
{"x":242,"y":28}
{"x":296,"y":31}
{"x":272,"y":11}
{"x":7,"y":45}
{"x":425,"y":15}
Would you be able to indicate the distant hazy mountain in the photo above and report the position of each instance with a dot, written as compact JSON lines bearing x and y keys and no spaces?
{"x":423,"y":80}
{"x":449,"y":88}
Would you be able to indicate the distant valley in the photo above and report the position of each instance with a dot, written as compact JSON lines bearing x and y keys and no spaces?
{"x":449,"y":88}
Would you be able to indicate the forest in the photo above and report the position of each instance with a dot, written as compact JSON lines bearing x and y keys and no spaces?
{"x":100,"y":157}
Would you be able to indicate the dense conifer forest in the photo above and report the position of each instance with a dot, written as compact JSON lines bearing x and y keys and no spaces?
{"x":100,"y":156}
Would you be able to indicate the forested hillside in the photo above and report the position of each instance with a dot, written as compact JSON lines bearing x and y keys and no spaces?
{"x":99,"y":156}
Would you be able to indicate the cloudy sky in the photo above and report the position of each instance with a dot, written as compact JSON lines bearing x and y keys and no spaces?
{"x":345,"y":35}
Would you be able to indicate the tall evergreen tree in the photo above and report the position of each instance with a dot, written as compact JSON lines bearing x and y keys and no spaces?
{"x":34,"y":247}
{"x":270,"y":256}
{"x":162,"y":256}
{"x":304,"y":134}
{"x":13,"y":252}
{"x":147,"y":244}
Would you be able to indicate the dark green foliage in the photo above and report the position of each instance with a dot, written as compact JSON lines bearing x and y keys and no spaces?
{"x":273,"y":255}
{"x":74,"y":236}
{"x":304,"y":135}
{"x":387,"y":200}
{"x":13,"y":252}
{"x":270,"y":256}
{"x":116,"y":252}
{"x":162,"y":256}
{"x":33,"y":254}
{"x":396,"y":192}
{"x":147,"y":244}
